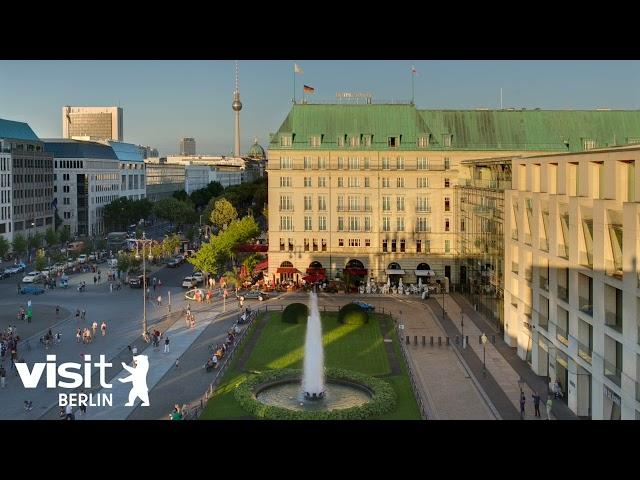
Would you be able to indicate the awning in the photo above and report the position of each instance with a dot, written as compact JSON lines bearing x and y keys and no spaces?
{"x":313,"y":270}
{"x":425,"y":273}
{"x":355,"y":271}
{"x":252,"y":248}
{"x":287,"y":270}
{"x":393,"y":271}
{"x":261,"y":266}
{"x":314,"y":278}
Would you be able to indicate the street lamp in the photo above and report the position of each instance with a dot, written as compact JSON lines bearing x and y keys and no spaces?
{"x":521,"y":383}
{"x":483,"y":339}
{"x":144,"y":241}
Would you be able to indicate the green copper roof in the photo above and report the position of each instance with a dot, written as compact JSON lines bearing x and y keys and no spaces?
{"x":540,"y":130}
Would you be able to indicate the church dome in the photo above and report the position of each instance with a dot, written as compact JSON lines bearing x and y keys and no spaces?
{"x":256,"y":151}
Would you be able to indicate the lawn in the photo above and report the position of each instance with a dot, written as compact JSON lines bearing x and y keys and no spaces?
{"x":354,"y":347}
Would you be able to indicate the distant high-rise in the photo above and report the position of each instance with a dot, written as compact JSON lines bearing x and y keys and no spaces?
{"x":188,"y":146}
{"x":237,"y":106}
{"x":97,"y":123}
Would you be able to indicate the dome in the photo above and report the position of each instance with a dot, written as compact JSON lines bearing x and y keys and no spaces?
{"x":256,"y":151}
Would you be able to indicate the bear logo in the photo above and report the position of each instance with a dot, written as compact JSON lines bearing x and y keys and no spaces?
{"x":138,"y":379}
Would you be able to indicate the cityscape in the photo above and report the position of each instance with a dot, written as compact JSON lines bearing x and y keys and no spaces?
{"x":400,"y":248}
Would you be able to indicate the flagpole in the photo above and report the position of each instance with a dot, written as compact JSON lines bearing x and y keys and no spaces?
{"x":294,"y":84}
{"x":413,"y":75}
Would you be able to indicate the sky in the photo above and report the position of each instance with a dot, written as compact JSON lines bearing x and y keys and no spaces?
{"x":164,"y":101}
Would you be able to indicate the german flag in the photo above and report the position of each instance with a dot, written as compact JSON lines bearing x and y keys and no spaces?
{"x":308,"y":89}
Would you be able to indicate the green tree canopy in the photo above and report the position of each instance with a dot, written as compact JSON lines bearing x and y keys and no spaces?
{"x":41,"y":261}
{"x":19,"y":244}
{"x":35,"y":241}
{"x":176,"y":211}
{"x":64,"y":234}
{"x":51,"y":236}
{"x":5,"y":246}
{"x":223,"y":213}
{"x":170,"y":244}
{"x":122,"y":212}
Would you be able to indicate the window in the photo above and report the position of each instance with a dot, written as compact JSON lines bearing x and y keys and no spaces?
{"x":427,"y":246}
{"x":366,"y":139}
{"x":354,"y":141}
{"x":423,"y":224}
{"x":367,"y":224}
{"x":322,"y":203}
{"x":322,"y":223}
{"x":446,"y":183}
{"x":462,"y":225}
{"x":385,"y":163}
{"x":282,"y":244}
{"x":423,"y":142}
{"x":307,"y":203}
{"x":367,"y":184}
{"x":322,"y":163}
{"x":386,"y":204}
{"x":400,"y":163}
{"x":307,"y":163}
{"x":354,"y":181}
{"x":446,"y":139}
{"x":418,"y":246}
{"x":386,"y":224}
{"x":446,"y":224}
{"x":286,"y":163}
{"x":367,"y":163}
{"x":306,"y":244}
{"x":400,"y":224}
{"x":354,"y":224}
{"x":422,"y":182}
{"x":354,"y":242}
{"x":341,"y":140}
{"x":386,"y":183}
{"x":291,"y":244}
{"x":354,"y":163}
{"x":340,"y":182}
{"x":307,"y":223}
{"x":324,"y":245}
{"x":341,"y":242}
{"x":447,"y":246}
{"x":447,"y":163}
{"x":286,"y":204}
{"x":402,"y":246}
{"x":447,"y":204}
{"x":423,"y":204}
{"x":589,"y":144}
{"x":385,"y":246}
{"x":422,"y":163}
{"x":393,"y":246}
{"x":400,"y":204}
{"x":340,"y":224}
{"x":393,"y":142}
{"x":400,"y":182}
{"x":367,"y":242}
{"x":315,"y":245}
{"x":285,"y":141}
{"x":322,"y":182}
{"x":314,"y":141}
{"x":285,"y":181}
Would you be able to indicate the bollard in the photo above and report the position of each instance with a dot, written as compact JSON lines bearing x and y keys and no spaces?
{"x":439,"y":341}
{"x":424,"y":340}
{"x":447,"y":341}
{"x":431,"y":341}
{"x":408,"y":341}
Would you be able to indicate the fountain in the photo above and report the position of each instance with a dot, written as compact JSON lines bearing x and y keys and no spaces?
{"x":313,"y":377}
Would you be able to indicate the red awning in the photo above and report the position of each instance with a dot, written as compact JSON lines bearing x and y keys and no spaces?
{"x":252,"y":248}
{"x":313,"y":270}
{"x":261,"y":266}
{"x":314,"y":278}
{"x":356,"y":271}
{"x":287,"y":270}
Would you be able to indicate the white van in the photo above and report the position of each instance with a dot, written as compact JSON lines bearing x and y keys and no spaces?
{"x":112,"y":262}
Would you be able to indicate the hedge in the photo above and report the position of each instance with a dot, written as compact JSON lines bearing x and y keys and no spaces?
{"x":295,"y":313}
{"x":353,"y":314}
{"x":383,"y":400}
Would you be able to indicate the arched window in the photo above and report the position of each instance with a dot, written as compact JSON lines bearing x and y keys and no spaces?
{"x":286,"y":264}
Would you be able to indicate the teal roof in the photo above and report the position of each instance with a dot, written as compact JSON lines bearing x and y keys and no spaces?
{"x":535,"y":130}
{"x":16,"y":130}
{"x":256,"y":151}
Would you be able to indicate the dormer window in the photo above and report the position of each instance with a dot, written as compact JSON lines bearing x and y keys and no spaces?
{"x":446,"y":139}
{"x":315,"y":141}
{"x":354,"y":141}
{"x":423,"y":142}
{"x":341,"y":141}
{"x":589,"y":144}
{"x":393,"y":142}
{"x":366,"y":140}
{"x":285,"y":140}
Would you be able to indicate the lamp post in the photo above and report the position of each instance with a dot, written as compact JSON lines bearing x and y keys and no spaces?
{"x":521,"y":385}
{"x":144,"y":241}
{"x":483,"y":339}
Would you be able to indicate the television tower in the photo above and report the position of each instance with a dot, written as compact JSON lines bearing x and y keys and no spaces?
{"x":237,"y":106}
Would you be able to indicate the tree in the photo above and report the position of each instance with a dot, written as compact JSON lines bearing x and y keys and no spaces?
{"x":156,"y":251}
{"x":19,"y":244}
{"x":124,"y":262}
{"x":41,"y":261}
{"x":35,"y":241}
{"x":5,"y":246}
{"x":51,"y":236}
{"x":170,"y":244}
{"x":223,"y":213}
{"x":251,"y":261}
{"x":65,"y":234}
{"x":191,"y":233}
{"x":233,"y":277}
{"x":180,"y":195}
{"x":176,"y":211}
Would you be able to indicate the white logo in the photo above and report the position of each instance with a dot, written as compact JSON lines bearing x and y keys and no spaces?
{"x":138,"y":379}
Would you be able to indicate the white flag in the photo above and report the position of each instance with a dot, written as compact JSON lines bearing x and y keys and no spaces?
{"x":297,"y":69}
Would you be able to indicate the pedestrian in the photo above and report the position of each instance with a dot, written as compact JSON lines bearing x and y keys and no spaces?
{"x":99,"y":275}
{"x":522,"y":402}
{"x":536,"y":403}
{"x":83,"y":405}
{"x":166,"y":345}
{"x":154,"y":281}
{"x":58,"y":337}
{"x":84,"y":314}
{"x":159,"y":300}
{"x":29,"y":316}
{"x":68,"y":412}
{"x":549,"y":405}
{"x":3,"y":376}
{"x":177,"y":362}
{"x":77,"y":314}
{"x":134,"y":351}
{"x":78,"y":335}
{"x":57,"y":310}
{"x":159,"y":283}
{"x":103,"y":328}
{"x":111,"y":287}
{"x":95,"y":279}
{"x":94,"y":327}
{"x":19,"y":288}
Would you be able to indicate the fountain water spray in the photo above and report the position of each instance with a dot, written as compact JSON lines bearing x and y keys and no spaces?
{"x":313,"y":377}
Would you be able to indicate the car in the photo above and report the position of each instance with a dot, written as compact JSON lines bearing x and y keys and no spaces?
{"x":173,"y":262}
{"x":136,"y":281}
{"x":199,"y":276}
{"x":31,"y":290}
{"x":365,"y":306}
{"x":71,"y":262}
{"x":112,"y":263}
{"x":32,"y":277}
{"x":254,"y":294}
{"x":82,"y":258}
{"x":48,"y":272}
{"x":4,"y":274}
{"x":92,"y":257}
{"x":20,"y":267}
{"x":189,"y":282}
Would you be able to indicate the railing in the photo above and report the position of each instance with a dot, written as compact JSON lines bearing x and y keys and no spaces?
{"x":491,"y":184}
{"x":346,"y":208}
{"x":584,"y":352}
{"x":483,"y":210}
{"x":423,"y":229}
{"x":562,"y":335}
{"x":563,"y":293}
{"x":416,"y":391}
{"x":586,"y":305}
{"x":613,"y":320}
{"x":286,"y":209}
{"x":612,"y":372}
{"x":544,"y":283}
{"x":426,"y":209}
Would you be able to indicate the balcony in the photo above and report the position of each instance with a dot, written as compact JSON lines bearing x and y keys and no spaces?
{"x":563,"y":251}
{"x":544,"y":283}
{"x":613,"y":320}
{"x":612,"y":372}
{"x":355,"y":208}
{"x":423,"y":209}
{"x":483,"y":210}
{"x":562,"y":335}
{"x":514,"y":234}
{"x":563,"y":293}
{"x":514,"y":267}
{"x":586,"y":305}
{"x":418,"y":229}
{"x":286,"y":209}
{"x":585,"y":352}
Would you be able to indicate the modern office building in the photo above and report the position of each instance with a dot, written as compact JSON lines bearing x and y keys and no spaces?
{"x":26,"y":179}
{"x":99,"y":123}
{"x":163,"y":179}
{"x":572,"y":279}
{"x":87,"y":177}
{"x":132,"y":169}
{"x":187,"y":146}
{"x":369,"y":189}
{"x":148,"y":152}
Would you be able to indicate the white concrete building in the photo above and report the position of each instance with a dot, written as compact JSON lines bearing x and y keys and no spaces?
{"x":86,"y":178}
{"x":5,"y":192}
{"x":195,"y":177}
{"x":100,"y":123}
{"x":132,"y":170}
{"x":572,"y":279}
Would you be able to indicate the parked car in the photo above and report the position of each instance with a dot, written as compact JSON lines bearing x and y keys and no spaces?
{"x":189,"y":282}
{"x":16,"y":268}
{"x":31,"y":290}
{"x":173,"y":262}
{"x":255,"y":294}
{"x":4,"y":274}
{"x":71,"y":262}
{"x":365,"y":306}
{"x":136,"y":281}
{"x":92,"y":257}
{"x":32,"y":277}
{"x":82,"y":258}
{"x":199,"y":276}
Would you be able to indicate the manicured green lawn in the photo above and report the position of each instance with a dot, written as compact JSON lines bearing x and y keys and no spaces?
{"x":354,"y":347}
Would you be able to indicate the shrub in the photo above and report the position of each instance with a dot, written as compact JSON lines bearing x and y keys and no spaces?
{"x":383,"y":400}
{"x":295,"y":313}
{"x":353,"y":314}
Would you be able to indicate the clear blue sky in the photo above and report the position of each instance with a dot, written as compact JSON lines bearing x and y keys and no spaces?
{"x":166,"y":100}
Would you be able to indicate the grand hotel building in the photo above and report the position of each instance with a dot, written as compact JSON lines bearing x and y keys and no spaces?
{"x":369,"y":189}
